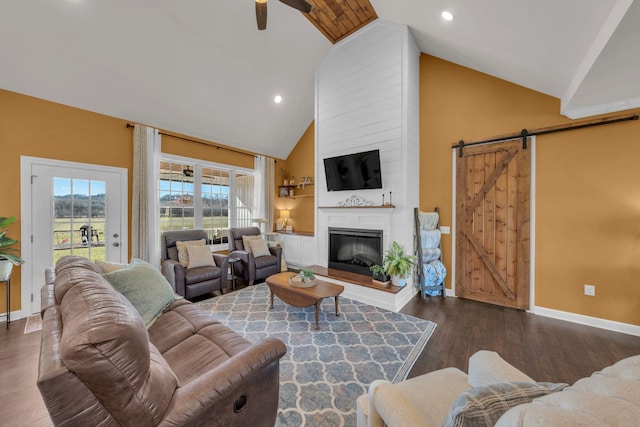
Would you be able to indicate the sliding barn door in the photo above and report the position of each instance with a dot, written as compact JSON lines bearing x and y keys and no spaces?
{"x":492,"y":224}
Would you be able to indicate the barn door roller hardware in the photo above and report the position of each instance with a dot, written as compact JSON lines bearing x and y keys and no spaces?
{"x":524,"y":133}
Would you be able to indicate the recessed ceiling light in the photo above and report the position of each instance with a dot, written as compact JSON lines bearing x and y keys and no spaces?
{"x":447,"y":16}
{"x":277,"y":99}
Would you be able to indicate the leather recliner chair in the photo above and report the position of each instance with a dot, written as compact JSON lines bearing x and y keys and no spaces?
{"x":191,"y":282}
{"x":249,"y":267}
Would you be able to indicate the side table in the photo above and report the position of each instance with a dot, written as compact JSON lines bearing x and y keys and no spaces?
{"x":7,"y":280}
{"x":232,"y":264}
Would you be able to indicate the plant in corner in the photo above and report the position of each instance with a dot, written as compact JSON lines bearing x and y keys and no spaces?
{"x":8,"y":255}
{"x":397,"y":264}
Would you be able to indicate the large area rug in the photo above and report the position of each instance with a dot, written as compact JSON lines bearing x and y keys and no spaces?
{"x":325,"y":371}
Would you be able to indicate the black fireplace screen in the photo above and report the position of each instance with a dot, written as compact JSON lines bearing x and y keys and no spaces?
{"x":354,"y":249}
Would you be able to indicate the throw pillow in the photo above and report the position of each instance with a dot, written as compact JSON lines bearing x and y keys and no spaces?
{"x":247,"y":239}
{"x":183,"y":255}
{"x":259,"y":247}
{"x":200,"y":256}
{"x":145,"y":287}
{"x":108,"y":267}
{"x":483,"y":406}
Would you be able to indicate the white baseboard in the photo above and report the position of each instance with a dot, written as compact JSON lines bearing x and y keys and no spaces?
{"x":450,"y":292}
{"x":15,"y":315}
{"x":596,"y":322}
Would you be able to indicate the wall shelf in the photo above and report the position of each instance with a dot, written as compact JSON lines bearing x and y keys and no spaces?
{"x":289,"y":191}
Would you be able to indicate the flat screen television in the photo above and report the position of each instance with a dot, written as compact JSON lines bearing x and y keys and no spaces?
{"x":356,"y":171}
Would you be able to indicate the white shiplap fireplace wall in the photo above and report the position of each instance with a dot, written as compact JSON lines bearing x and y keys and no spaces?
{"x":367,"y":98}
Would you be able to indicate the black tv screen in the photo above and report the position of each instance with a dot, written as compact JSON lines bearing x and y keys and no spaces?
{"x":356,"y":171}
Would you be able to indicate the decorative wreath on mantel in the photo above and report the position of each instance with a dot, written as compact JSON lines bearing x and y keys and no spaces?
{"x":355,"y":201}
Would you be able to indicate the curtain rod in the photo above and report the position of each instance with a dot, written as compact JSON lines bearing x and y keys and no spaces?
{"x":524,"y":133}
{"x":201,"y":142}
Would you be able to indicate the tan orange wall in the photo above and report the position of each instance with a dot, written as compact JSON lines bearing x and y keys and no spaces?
{"x":587,"y":186}
{"x":200,"y":151}
{"x":38,"y":128}
{"x":299,"y":163}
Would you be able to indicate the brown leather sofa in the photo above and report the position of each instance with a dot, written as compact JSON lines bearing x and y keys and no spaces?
{"x":251,"y":268}
{"x":99,"y":365}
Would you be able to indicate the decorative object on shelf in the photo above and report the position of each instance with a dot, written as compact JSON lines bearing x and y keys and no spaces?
{"x":8,"y":255}
{"x":305,"y":180}
{"x":380,"y":275}
{"x":281,"y":223}
{"x":355,"y":201}
{"x":397,"y":264}
{"x":390,"y":202}
{"x":286,"y":178}
{"x":304,"y":279}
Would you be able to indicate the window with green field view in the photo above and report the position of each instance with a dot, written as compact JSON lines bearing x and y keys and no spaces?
{"x":79,"y":207}
{"x":201,"y":196}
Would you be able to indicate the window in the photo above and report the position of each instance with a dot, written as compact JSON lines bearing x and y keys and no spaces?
{"x":194,"y":194}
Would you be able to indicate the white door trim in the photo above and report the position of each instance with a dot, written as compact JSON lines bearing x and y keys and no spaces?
{"x":26,"y":164}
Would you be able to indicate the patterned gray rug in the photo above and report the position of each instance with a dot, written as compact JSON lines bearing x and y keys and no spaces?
{"x":325,"y":371}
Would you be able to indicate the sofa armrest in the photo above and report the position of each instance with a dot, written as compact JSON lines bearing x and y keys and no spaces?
{"x":277,"y":252}
{"x":392,"y":407}
{"x":174,"y":272}
{"x":234,"y":377}
{"x":222,"y":261}
{"x":487,"y":367}
{"x":430,"y":394}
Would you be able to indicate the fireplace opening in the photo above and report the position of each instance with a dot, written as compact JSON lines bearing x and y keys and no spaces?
{"x":354,"y":249}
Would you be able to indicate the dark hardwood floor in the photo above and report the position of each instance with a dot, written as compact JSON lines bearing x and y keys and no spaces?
{"x":545,"y":349}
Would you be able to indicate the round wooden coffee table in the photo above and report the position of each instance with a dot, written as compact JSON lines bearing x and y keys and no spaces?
{"x":302,"y":297}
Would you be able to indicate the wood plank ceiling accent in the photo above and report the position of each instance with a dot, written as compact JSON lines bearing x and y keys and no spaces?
{"x":336,"y":19}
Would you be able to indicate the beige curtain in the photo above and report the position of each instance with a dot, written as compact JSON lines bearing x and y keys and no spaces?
{"x":265,"y":189}
{"x":145,"y":229}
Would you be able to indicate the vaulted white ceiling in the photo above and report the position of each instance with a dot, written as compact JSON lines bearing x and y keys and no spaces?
{"x":201,"y":68}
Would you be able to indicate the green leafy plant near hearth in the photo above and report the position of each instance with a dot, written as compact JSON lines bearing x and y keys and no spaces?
{"x":396,"y":262}
{"x":6,"y":251}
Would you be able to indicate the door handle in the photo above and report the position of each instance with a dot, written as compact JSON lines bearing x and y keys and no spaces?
{"x":116,"y":244}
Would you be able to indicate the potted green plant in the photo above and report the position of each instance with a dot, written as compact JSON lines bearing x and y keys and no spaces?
{"x":397,"y":264}
{"x":8,"y":255}
{"x":304,"y":279}
{"x":380,"y":274}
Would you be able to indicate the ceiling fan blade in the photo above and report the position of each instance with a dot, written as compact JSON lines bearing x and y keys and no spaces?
{"x":300,"y":5}
{"x":261,"y":14}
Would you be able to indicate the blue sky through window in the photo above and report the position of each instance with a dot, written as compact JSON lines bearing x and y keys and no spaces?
{"x":63,"y":187}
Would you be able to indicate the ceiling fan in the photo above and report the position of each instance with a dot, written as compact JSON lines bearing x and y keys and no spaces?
{"x":261,"y":10}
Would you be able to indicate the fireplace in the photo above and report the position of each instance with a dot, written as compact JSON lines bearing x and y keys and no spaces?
{"x":354,"y":249}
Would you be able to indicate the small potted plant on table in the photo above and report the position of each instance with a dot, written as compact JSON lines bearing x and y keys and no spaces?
{"x":397,"y":264}
{"x":8,"y":255}
{"x":304,"y":279}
